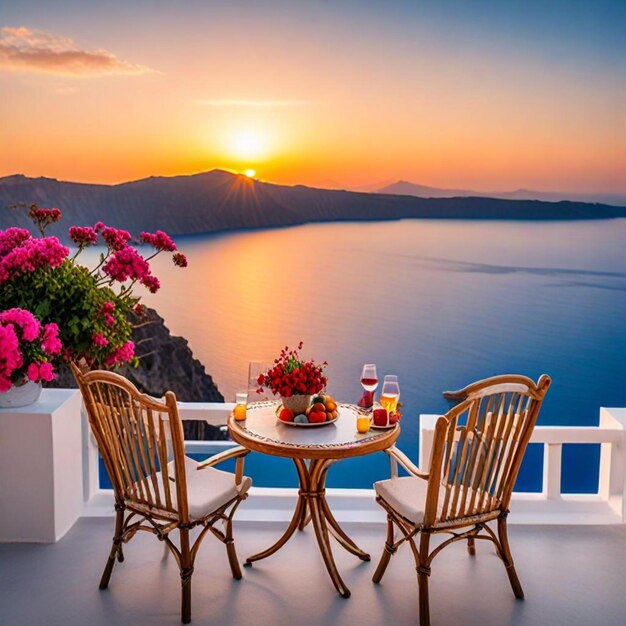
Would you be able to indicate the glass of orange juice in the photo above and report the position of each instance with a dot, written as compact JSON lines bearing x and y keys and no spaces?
{"x":239,"y":412}
{"x":363,"y":422}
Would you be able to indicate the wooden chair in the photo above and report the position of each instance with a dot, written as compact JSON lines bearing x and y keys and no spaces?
{"x":157,"y":488}
{"x":477,"y":450}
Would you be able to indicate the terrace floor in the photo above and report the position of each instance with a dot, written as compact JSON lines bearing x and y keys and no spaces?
{"x":571,"y":575}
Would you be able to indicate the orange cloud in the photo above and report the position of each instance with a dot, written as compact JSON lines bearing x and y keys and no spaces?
{"x":252,"y":103}
{"x":26,"y":49}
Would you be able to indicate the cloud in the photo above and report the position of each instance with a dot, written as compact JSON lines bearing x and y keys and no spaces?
{"x":252,"y":103}
{"x":26,"y":49}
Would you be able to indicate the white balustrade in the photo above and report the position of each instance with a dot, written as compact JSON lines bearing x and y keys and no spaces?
{"x":548,"y":507}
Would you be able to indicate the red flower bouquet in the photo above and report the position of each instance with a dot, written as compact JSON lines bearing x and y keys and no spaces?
{"x":291,"y":377}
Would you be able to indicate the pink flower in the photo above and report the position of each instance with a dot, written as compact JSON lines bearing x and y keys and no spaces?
{"x":151,"y":283}
{"x":126,"y":263}
{"x":12,"y":238}
{"x":30,"y":255}
{"x":10,"y":355}
{"x":106,"y":311}
{"x":46,"y":371}
{"x":43,"y":217}
{"x":28,"y":323}
{"x":51,"y":343}
{"x":121,"y":355}
{"x":159,"y":240}
{"x":179,"y":259}
{"x":139,"y":309}
{"x":115,"y":238}
{"x":100,"y":340}
{"x":33,"y":372}
{"x":83,"y":236}
{"x":98,"y":226}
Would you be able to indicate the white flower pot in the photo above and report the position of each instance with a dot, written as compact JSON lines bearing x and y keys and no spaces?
{"x":20,"y":395}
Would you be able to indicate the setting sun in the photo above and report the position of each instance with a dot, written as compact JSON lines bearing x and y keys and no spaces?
{"x":250,"y":173}
{"x":248,"y":144}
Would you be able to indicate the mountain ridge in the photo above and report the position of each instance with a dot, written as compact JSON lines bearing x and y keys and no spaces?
{"x":407,"y":188}
{"x":218,"y":200}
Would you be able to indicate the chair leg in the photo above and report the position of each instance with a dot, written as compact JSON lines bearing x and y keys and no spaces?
{"x":186,"y":571}
{"x":232,"y":553}
{"x":423,"y":573}
{"x":115,"y":549}
{"x":508,"y":559}
{"x":471,"y":546}
{"x":387,"y":552}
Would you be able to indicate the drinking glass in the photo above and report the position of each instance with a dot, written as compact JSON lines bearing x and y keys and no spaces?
{"x":390,"y":393}
{"x":255,"y":369}
{"x":369,"y":377}
{"x":369,"y":382}
{"x":239,"y":412}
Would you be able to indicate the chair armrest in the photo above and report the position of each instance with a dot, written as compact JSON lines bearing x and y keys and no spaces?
{"x":238,"y":452}
{"x":220,"y":457}
{"x":397,"y":456}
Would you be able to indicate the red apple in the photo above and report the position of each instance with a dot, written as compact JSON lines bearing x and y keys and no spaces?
{"x":317,"y":417}
{"x":380,"y":417}
{"x":286,"y":415}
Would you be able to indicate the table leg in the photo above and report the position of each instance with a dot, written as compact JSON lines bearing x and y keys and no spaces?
{"x":316,"y":498}
{"x":312,"y":506}
{"x":298,"y":515}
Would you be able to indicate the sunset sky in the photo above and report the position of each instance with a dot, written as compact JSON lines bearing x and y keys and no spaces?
{"x":488,"y":96}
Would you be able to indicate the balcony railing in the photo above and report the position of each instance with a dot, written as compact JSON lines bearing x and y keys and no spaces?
{"x":608,"y":506}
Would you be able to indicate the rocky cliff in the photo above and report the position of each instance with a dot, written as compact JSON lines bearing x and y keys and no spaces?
{"x":166,"y":363}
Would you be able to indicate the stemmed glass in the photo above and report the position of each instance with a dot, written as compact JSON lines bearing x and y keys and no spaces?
{"x":390,"y":393}
{"x":369,"y":382}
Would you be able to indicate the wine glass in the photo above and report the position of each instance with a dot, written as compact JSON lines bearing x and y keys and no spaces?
{"x":255,"y":369}
{"x":369,"y":382}
{"x":390,"y":393}
{"x":369,"y":377}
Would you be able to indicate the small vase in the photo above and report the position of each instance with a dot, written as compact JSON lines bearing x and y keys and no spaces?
{"x":296,"y":404}
{"x":20,"y":395}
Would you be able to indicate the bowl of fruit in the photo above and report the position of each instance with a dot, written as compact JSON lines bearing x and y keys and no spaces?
{"x":322,"y":411}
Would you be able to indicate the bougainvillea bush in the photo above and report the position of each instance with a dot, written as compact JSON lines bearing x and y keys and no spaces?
{"x":91,"y":306}
{"x":28,"y":349}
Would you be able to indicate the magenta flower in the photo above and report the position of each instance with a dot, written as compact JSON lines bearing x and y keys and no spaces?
{"x":31,"y":255}
{"x":10,"y":355}
{"x":51,"y":343}
{"x":106,"y":311}
{"x":151,"y":283}
{"x":115,"y":238}
{"x":126,"y":263}
{"x":46,"y":371}
{"x":83,"y":236}
{"x":100,"y":340}
{"x":33,"y":372}
{"x":179,"y":259}
{"x":121,"y":355}
{"x":27,"y":322}
{"x":12,"y":238}
{"x":159,"y":240}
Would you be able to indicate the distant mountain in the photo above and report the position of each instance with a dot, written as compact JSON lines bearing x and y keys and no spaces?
{"x":404,"y":188}
{"x":218,"y":201}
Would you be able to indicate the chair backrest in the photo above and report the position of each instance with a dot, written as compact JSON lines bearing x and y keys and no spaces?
{"x":138,"y":437}
{"x":478,"y":447}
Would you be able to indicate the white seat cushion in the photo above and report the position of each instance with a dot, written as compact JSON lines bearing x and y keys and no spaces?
{"x":207,"y":489}
{"x":405,"y":495}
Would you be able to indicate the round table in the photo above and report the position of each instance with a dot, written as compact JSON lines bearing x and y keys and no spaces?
{"x":313,"y":450}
